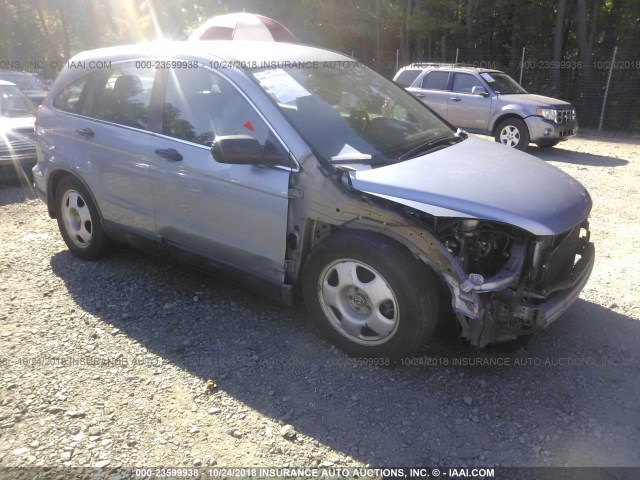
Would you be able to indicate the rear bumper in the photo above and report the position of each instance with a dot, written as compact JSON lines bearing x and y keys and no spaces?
{"x":541,"y":130}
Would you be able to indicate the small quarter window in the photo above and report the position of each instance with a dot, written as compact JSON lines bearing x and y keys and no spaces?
{"x":71,"y":97}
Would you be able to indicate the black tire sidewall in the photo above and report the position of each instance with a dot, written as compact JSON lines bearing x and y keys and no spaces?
{"x":522,"y":128}
{"x":100,"y":243}
{"x":410,"y":281}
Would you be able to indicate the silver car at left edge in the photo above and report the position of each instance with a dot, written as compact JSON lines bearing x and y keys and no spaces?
{"x":303,"y":174}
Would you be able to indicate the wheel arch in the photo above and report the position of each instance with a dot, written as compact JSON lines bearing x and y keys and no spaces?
{"x":502,"y":118}
{"x":52,"y":186}
{"x":410,"y":243}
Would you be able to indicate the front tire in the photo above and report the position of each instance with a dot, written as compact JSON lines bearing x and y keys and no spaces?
{"x":369,"y":295}
{"x":513,"y":133}
{"x":79,"y":221}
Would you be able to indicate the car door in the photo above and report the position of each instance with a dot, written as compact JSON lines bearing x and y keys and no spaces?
{"x":115,"y":137}
{"x":234,"y":214}
{"x":467,"y":110}
{"x":432,"y":91}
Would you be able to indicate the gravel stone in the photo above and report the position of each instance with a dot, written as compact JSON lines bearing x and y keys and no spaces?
{"x":138,"y":350}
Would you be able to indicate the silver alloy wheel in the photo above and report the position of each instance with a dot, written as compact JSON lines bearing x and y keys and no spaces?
{"x":358,"y":302}
{"x":510,"y":136}
{"x":77,"y":218}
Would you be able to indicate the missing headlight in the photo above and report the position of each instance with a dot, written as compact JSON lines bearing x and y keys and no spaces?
{"x":481,"y":247}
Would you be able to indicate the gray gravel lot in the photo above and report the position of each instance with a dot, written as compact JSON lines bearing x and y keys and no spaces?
{"x":114,"y":362}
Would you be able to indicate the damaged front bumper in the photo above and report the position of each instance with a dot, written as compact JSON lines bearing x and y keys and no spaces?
{"x":566,"y":293}
{"x":500,"y":310}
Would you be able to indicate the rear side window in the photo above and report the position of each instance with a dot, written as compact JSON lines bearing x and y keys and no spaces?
{"x":406,"y":78}
{"x":71,"y":97}
{"x":123,"y":96}
{"x":436,"y":80}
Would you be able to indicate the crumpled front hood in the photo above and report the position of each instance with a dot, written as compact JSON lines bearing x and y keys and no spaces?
{"x":479,"y":179}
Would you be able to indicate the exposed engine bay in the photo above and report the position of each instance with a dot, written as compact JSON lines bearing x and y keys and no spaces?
{"x":513,"y":274}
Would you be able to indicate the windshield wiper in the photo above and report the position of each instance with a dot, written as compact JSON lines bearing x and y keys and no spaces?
{"x":425,"y":147}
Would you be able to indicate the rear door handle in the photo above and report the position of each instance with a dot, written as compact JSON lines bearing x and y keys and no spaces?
{"x":86,"y":132}
{"x":420,"y":95}
{"x":456,"y":99}
{"x":170,"y":154}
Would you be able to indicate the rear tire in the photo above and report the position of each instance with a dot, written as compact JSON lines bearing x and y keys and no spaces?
{"x":369,"y":295}
{"x":79,"y":221}
{"x":513,"y":133}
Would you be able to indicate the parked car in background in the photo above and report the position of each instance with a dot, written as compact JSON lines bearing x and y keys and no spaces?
{"x":490,"y":102}
{"x":17,"y":146}
{"x":306,"y":175}
{"x":46,"y":82}
{"x":29,"y":83}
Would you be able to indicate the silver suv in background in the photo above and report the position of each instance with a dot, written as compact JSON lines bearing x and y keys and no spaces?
{"x":306,"y":175}
{"x":490,"y":102}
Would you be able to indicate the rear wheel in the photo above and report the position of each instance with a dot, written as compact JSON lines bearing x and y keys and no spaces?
{"x":79,"y":221}
{"x":513,"y":133}
{"x":370,"y":296}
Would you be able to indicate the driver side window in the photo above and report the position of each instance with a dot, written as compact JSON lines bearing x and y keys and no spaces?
{"x":464,"y":83}
{"x":200,"y":105}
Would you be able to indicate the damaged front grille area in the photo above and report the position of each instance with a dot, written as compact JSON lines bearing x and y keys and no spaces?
{"x":552,"y":259}
{"x":557,"y":267}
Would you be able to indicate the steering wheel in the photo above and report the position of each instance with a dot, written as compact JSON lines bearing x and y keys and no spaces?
{"x":359,"y":119}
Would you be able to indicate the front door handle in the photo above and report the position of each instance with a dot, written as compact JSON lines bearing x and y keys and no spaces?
{"x":86,"y":132}
{"x":456,"y":99}
{"x":170,"y":154}
{"x":420,"y":95}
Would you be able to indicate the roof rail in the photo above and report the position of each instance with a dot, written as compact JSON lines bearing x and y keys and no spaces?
{"x":436,"y":65}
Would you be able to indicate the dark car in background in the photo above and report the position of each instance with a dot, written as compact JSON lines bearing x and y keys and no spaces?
{"x":29,"y":83}
{"x":17,"y":117}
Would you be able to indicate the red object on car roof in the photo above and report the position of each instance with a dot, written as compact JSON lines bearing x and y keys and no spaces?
{"x":243,"y":26}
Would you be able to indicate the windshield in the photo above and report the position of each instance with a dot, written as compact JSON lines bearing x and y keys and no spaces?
{"x":13,"y":103}
{"x":348,"y":113}
{"x":24,"y":81}
{"x":502,"y":83}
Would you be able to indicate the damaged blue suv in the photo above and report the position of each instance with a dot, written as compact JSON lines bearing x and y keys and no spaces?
{"x":301,"y":173}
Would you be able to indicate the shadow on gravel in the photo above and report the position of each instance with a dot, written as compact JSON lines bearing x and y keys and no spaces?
{"x":545,"y":404}
{"x":558,"y":154}
{"x":15,"y":190}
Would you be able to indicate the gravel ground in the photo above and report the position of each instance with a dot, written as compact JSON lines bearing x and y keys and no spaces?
{"x":134,"y":361}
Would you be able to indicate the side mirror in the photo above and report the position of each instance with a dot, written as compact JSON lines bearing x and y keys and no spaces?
{"x":245,"y":150}
{"x":479,"y":91}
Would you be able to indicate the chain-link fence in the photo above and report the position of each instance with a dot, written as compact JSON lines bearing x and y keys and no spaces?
{"x":605,"y":92}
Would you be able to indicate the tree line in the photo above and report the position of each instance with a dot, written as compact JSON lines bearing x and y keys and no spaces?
{"x":573,"y":38}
